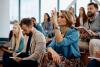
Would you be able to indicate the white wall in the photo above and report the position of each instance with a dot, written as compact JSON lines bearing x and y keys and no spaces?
{"x":4,"y":19}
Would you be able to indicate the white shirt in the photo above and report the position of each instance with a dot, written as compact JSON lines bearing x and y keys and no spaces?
{"x":81,"y":21}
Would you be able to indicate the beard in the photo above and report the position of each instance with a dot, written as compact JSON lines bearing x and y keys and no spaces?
{"x":29,"y":34}
{"x":90,"y":14}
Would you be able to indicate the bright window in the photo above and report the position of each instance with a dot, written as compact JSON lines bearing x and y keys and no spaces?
{"x":98,"y":4}
{"x":47,"y":6}
{"x":64,"y":4}
{"x":30,"y":8}
{"x":81,"y":3}
{"x":13,"y":9}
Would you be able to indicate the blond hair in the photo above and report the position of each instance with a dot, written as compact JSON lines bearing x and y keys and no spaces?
{"x":16,"y":40}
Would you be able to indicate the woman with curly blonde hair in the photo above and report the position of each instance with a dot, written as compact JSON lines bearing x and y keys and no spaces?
{"x":66,"y":38}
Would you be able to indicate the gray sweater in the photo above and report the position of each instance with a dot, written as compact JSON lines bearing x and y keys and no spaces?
{"x":95,"y":25}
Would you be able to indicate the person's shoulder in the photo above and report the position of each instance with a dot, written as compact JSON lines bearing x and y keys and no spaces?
{"x":38,"y":33}
{"x":39,"y":25}
{"x":72,"y":29}
{"x":43,"y":23}
{"x":98,"y":16}
{"x":39,"y":36}
{"x":98,"y":13}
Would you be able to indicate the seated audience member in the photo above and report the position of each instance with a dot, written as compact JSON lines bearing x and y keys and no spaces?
{"x":82,"y":18}
{"x":66,"y":38}
{"x":36,"y":48}
{"x":37,"y":25}
{"x":47,"y":26}
{"x":17,"y":45}
{"x":72,"y":11}
{"x":94,"y":28}
{"x":11,"y":33}
{"x":95,"y":62}
{"x":93,"y":23}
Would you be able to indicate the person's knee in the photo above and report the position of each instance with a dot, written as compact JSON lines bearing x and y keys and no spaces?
{"x":83,"y":46}
{"x":94,"y":43}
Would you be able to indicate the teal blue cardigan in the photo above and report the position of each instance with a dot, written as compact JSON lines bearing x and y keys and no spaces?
{"x":69,"y":45}
{"x":21,"y":45}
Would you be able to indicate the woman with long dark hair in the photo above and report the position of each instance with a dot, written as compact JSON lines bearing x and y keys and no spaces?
{"x":47,"y":26}
{"x":82,"y":18}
